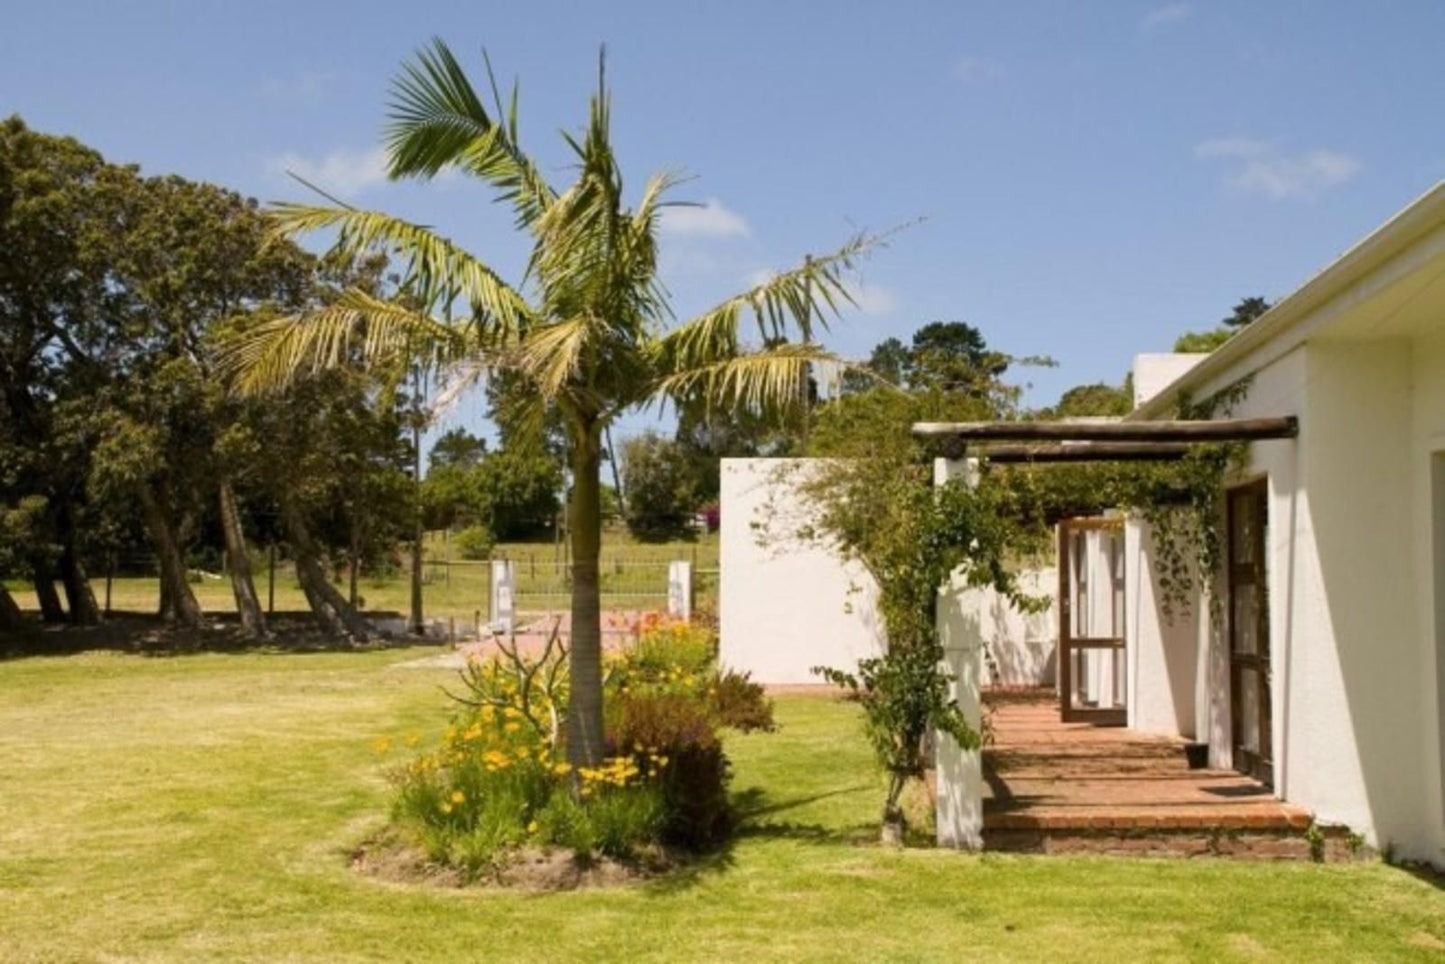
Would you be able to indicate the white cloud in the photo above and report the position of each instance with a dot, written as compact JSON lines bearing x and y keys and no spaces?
{"x":1166,"y":16}
{"x":1232,"y":147}
{"x":342,"y":171}
{"x":1259,"y":167}
{"x":975,"y":70}
{"x":710,"y":219}
{"x":872,"y":299}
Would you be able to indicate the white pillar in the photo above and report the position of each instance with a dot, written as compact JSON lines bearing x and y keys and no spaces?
{"x":503,"y":587}
{"x":959,"y":811}
{"x":679,"y":590}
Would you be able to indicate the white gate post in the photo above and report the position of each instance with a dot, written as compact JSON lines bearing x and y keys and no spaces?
{"x":959,"y":809}
{"x":679,"y":590}
{"x":503,"y":586}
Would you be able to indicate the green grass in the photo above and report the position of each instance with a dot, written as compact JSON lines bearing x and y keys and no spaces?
{"x":634,"y":575}
{"x":202,"y":807}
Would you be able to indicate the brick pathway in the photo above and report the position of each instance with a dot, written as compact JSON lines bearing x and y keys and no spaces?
{"x":1045,"y":775}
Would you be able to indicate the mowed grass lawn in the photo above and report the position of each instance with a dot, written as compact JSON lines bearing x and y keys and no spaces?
{"x":203,"y":807}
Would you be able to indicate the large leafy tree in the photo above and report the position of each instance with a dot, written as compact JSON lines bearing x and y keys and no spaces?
{"x":586,"y":329}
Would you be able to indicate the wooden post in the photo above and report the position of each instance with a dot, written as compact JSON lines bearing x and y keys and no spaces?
{"x":271,"y":579}
{"x":109,"y":577}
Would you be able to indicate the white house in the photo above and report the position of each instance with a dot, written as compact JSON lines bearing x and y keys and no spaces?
{"x":1326,"y":679}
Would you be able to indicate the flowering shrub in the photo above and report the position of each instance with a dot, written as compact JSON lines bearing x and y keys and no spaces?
{"x":498,"y":781}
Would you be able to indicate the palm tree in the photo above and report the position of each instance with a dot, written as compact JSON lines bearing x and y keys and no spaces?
{"x":588,"y":328}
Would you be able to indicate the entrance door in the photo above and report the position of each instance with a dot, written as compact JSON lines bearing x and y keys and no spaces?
{"x":1249,"y":663}
{"x":1092,"y":672}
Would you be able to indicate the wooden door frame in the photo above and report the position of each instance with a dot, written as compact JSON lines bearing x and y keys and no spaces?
{"x":1068,"y":644}
{"x":1259,"y":765}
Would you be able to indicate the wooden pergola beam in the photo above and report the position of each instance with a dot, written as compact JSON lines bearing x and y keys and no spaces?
{"x":1216,"y":430}
{"x":1086,"y":452}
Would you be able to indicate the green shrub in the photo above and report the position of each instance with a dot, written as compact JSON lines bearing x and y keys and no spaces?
{"x":675,"y":733}
{"x":739,"y":703}
{"x":474,"y":542}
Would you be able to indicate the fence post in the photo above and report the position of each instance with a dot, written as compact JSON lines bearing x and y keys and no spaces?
{"x":271,"y":580}
{"x":502,"y":595}
{"x":679,"y":590}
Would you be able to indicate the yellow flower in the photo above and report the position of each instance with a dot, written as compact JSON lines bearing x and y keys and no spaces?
{"x":458,"y":797}
{"x":381,"y":745}
{"x":532,"y":827}
{"x":446,"y":808}
{"x":512,"y":727}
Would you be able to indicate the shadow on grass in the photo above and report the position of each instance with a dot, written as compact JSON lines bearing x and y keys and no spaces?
{"x":752,"y":805}
{"x":147,"y":635}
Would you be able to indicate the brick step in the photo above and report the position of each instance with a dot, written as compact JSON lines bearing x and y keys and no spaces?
{"x":1183,"y":842}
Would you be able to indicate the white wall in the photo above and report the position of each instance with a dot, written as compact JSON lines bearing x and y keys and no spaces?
{"x":1168,"y":657}
{"x":1021,"y":649}
{"x":1154,"y":372}
{"x":785,"y":606}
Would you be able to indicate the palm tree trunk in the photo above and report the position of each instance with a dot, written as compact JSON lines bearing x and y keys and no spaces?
{"x":178,"y":603}
{"x":330,"y":607}
{"x":248,"y":604}
{"x":584,"y":710}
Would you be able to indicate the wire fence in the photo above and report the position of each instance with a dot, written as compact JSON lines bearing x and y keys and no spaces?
{"x":457,"y":590}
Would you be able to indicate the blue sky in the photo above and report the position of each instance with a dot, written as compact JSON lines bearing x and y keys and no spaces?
{"x":1096,"y":177}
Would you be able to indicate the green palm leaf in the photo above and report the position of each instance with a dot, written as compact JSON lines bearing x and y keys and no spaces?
{"x":358,"y":330}
{"x":437,"y":120}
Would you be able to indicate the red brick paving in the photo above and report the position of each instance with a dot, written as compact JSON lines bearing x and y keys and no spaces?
{"x":1046,"y":775}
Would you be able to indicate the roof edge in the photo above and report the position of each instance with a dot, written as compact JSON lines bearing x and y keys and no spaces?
{"x":1377,"y":247}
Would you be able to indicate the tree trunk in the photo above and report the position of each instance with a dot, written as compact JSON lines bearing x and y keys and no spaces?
{"x":43,"y":576}
{"x":584,"y":710}
{"x":178,"y":603}
{"x":79,"y":597}
{"x":330,"y":608}
{"x":248,"y":604}
{"x":11,"y":618}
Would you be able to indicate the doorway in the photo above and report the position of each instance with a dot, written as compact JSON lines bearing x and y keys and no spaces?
{"x":1250,"y":695}
{"x":1092,"y":671}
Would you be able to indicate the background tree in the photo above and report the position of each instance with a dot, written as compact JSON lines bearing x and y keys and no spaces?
{"x":1098,"y":399}
{"x":1239,"y":318}
{"x":663,"y":490}
{"x":590,"y":338}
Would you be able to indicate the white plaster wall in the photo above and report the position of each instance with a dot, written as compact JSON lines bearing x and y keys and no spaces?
{"x":1155,"y":371}
{"x":1021,"y":649}
{"x":785,"y":606}
{"x":1356,"y":700}
{"x":1167,"y":656}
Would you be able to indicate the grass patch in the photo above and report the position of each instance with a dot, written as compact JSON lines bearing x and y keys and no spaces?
{"x":205,"y":807}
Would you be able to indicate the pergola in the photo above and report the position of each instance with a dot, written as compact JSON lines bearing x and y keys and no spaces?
{"x":1098,"y":441}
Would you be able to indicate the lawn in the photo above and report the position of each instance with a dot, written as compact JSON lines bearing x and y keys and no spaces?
{"x":202,"y":807}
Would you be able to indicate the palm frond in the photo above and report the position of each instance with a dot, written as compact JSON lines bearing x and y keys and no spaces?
{"x":798,"y":301}
{"x":437,"y":120}
{"x":765,"y":380}
{"x":438,"y":267}
{"x":552,"y":354}
{"x":359,"y":330}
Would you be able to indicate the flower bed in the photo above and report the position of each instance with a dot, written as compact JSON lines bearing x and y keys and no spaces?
{"x":497,"y":792}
